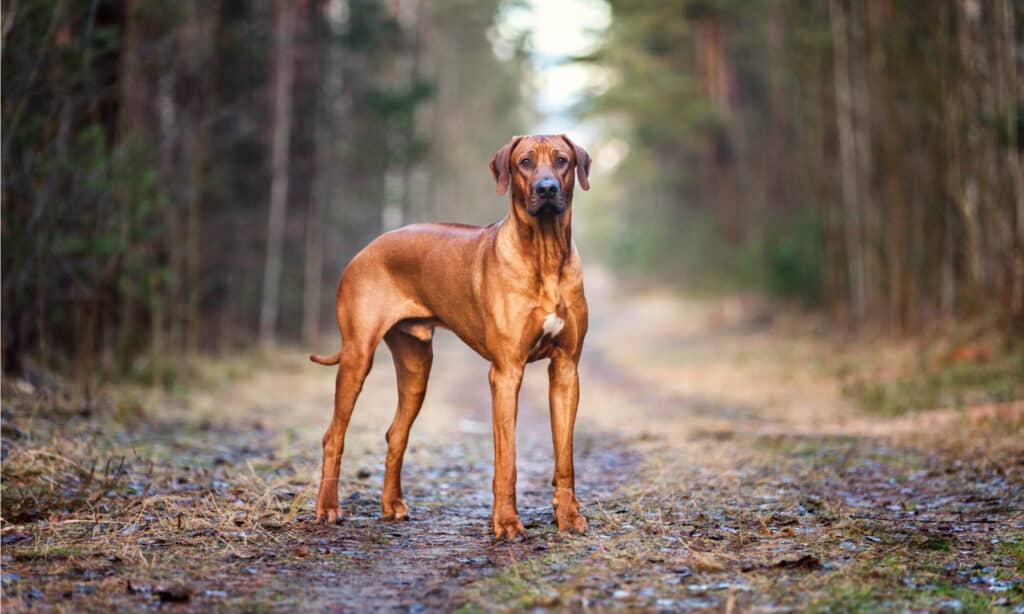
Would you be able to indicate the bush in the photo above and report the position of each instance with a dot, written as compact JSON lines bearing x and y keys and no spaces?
{"x":788,"y":262}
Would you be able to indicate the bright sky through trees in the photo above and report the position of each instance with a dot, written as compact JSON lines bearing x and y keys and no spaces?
{"x":558,"y":32}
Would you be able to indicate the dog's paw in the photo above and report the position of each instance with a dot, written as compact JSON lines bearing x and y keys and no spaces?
{"x":328,"y":514}
{"x":567,"y":512}
{"x":394,"y":510}
{"x":508,"y":528}
{"x":571,"y":523}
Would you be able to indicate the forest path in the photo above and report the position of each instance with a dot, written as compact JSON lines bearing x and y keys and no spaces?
{"x":717,"y":462}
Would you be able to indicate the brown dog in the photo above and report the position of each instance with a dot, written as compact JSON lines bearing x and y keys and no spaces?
{"x":513,"y":291}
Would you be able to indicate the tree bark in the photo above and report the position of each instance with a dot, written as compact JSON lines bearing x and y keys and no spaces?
{"x":313,"y":273}
{"x":895,"y":234}
{"x":870,"y":216}
{"x":966,"y":196}
{"x":848,"y":159}
{"x":204,"y":26}
{"x":281,"y":125}
{"x":313,"y":277}
{"x":1012,"y":95}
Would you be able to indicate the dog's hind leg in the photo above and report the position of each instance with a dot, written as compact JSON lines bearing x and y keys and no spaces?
{"x":354,"y":365}
{"x":413,"y":355}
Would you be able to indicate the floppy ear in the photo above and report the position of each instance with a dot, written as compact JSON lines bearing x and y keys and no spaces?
{"x":500,"y":167}
{"x":582,"y":163}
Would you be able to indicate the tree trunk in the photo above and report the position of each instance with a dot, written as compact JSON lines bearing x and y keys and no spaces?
{"x":281,"y":125}
{"x":966,"y":196}
{"x":1012,"y":96}
{"x":313,"y":273}
{"x":322,"y":175}
{"x":131,"y":139}
{"x":170,"y":289}
{"x":895,"y":234}
{"x":851,"y":220}
{"x":204,"y":62}
{"x":717,"y":81}
{"x":870,"y":222}
{"x":416,"y":52}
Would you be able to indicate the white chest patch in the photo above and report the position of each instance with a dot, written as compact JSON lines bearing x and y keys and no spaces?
{"x":553,"y":325}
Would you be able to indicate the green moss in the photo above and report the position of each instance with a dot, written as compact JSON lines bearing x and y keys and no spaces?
{"x":852,"y":597}
{"x":970,"y":600}
{"x":469,"y":609}
{"x":934,"y":543}
{"x":523,"y":585}
{"x":1015,"y":552}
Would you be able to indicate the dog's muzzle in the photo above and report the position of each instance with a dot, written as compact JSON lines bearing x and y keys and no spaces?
{"x":547,"y":198}
{"x":547,"y":207}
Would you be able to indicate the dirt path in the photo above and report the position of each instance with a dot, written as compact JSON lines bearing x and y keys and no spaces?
{"x":718,"y":465}
{"x":424,"y":563}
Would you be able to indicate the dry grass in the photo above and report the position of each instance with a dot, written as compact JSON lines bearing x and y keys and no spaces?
{"x":87,"y":496}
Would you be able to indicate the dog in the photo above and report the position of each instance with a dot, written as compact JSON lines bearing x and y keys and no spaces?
{"x":512,"y":291}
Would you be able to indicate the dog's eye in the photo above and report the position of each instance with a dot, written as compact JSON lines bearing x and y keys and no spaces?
{"x":525,"y":163}
{"x":562,"y":160}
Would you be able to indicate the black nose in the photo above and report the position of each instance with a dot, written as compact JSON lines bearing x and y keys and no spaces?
{"x":546,"y":188}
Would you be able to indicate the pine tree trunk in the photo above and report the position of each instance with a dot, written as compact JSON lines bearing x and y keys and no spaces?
{"x":966,"y":197}
{"x":851,"y":219}
{"x":132,"y":126}
{"x":281,"y":126}
{"x":1013,"y":94}
{"x":204,"y":27}
{"x":322,"y":176}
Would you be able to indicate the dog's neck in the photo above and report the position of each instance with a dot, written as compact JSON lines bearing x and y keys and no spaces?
{"x":544,"y":243}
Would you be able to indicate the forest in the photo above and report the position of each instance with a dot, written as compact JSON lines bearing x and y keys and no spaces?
{"x":862,"y":156}
{"x":802,"y":387}
{"x":189,"y":177}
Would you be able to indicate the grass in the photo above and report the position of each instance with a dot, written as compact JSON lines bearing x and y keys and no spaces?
{"x":78,"y":502}
{"x":895,"y":583}
{"x":924,"y":573}
{"x":994,"y":380}
{"x":1014,"y":550}
{"x":935,"y":543}
{"x":534,"y":582}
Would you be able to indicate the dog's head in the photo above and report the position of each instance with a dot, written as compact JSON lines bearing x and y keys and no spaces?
{"x":539,"y":170}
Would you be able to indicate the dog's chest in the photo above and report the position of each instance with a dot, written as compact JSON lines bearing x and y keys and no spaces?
{"x":551,"y":308}
{"x":553,"y":324}
{"x":547,"y":337}
{"x":552,"y":319}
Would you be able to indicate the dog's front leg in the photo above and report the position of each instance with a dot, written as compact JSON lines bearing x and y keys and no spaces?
{"x":505,"y":381}
{"x":564,"y":396}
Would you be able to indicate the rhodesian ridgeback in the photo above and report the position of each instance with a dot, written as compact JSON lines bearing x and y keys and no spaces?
{"x":512,"y":291}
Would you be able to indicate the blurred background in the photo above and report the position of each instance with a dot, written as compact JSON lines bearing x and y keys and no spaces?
{"x":192,"y":176}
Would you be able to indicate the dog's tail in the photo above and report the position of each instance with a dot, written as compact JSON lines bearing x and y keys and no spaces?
{"x":333,"y":359}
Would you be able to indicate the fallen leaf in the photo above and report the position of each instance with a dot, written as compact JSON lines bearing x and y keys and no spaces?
{"x":975,"y":352}
{"x":13,"y":538}
{"x":177,"y":593}
{"x":806,"y":562}
{"x":701,"y":562}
